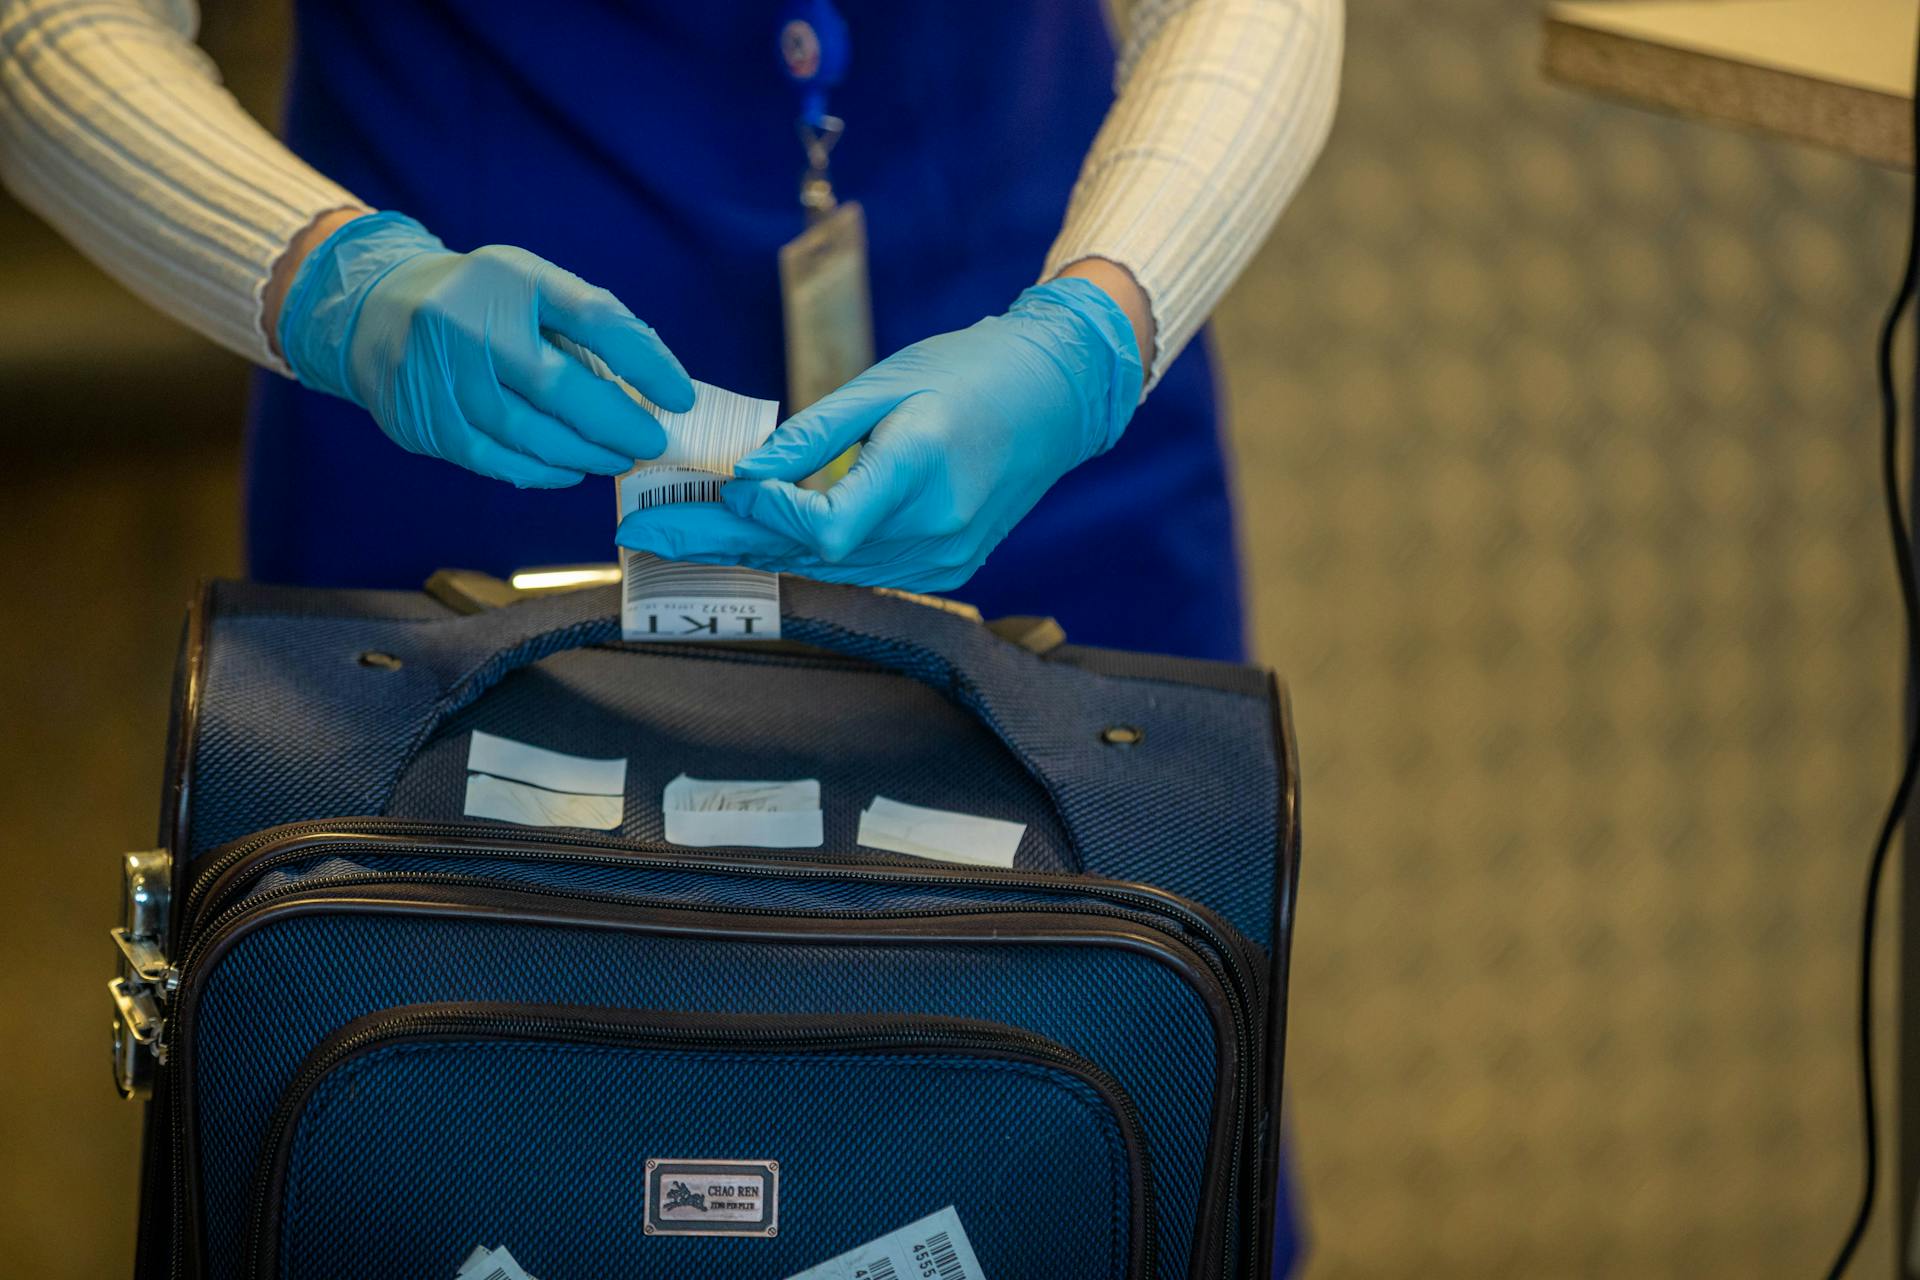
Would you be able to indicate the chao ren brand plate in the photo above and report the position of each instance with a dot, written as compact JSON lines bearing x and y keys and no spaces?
{"x":713,"y":1198}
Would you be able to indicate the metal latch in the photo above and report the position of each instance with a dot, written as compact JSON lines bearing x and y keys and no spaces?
{"x":139,"y":1011}
{"x":144,"y":957}
{"x":139,"y":992}
{"x":136,"y":1038}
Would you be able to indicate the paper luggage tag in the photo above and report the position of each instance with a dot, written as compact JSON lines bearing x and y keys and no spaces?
{"x":491,"y":1264}
{"x":663,"y":600}
{"x":828,"y":312}
{"x":934,"y":1248}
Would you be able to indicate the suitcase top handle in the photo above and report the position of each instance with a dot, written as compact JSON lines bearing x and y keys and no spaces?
{"x":1154,"y":780}
{"x":1018,"y":696}
{"x":958,"y":658}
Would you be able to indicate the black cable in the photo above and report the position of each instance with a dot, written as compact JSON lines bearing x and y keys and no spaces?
{"x":1897,"y":807}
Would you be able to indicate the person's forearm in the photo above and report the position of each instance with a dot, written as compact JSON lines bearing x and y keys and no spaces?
{"x":1222,"y":110}
{"x":114,"y":128}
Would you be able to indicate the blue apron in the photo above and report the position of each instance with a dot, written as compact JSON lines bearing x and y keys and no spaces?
{"x":650,"y":148}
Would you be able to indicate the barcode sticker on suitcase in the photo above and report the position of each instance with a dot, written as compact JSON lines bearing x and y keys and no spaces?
{"x":664,"y":600}
{"x":934,"y":1248}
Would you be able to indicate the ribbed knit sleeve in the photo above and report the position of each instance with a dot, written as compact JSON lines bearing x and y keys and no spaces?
{"x":114,"y":127}
{"x":1222,"y":107}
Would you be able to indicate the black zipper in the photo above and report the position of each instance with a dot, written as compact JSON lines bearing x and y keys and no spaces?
{"x":216,"y":882}
{"x":1227,"y":957}
{"x":660,"y":1030}
{"x":1242,"y":957}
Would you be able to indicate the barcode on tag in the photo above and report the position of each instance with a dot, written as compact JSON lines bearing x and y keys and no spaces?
{"x":934,"y":1248}
{"x":664,"y":600}
{"x":679,"y":486}
{"x":939,"y":1248}
{"x":652,"y":577}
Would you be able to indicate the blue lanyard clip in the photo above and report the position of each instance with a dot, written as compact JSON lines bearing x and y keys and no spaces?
{"x":814,"y":52}
{"x":816,"y":186}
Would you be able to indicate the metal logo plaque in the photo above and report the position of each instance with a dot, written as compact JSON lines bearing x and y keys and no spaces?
{"x":713,"y":1198}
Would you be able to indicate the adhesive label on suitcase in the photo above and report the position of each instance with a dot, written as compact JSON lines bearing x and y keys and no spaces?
{"x":491,"y":1264}
{"x":510,"y":781}
{"x":934,"y":1248}
{"x":550,"y":770}
{"x":713,"y":1198}
{"x":704,"y":813}
{"x":516,"y":802}
{"x":665,"y":600}
{"x":937,"y":833}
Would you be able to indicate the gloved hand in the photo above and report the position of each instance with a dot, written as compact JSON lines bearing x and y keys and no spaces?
{"x":451,"y":353}
{"x":964,"y":432}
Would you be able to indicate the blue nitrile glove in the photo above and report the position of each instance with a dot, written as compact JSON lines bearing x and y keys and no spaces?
{"x":964,"y":432}
{"x":450,"y":352}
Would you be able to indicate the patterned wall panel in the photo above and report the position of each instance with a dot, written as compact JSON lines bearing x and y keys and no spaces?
{"x":1558,"y":447}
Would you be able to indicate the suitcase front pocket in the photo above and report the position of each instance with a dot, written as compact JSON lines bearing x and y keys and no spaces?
{"x":602,"y":1142}
{"x":409,"y":915}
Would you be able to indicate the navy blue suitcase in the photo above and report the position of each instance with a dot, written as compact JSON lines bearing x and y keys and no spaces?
{"x":376,"y":1034}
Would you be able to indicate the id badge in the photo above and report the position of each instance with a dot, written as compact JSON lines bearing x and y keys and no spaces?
{"x":828,"y":313}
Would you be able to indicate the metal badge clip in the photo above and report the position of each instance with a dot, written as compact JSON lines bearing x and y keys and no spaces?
{"x":816,"y":184}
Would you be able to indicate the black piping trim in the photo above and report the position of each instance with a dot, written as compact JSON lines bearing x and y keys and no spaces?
{"x":176,"y":818}
{"x":707,"y":862}
{"x":1280,"y":946}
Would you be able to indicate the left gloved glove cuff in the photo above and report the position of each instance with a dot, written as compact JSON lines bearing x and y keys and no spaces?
{"x":1093,"y":339}
{"x":323,"y":303}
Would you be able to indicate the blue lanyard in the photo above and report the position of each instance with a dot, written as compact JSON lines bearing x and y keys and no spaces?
{"x":813,"y":52}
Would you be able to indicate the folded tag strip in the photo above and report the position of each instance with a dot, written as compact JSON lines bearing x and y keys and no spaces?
{"x":664,"y":600}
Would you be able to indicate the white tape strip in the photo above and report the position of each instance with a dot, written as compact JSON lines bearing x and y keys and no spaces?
{"x":505,"y":800}
{"x":936,"y":833}
{"x":769,"y":815}
{"x":554,"y":770}
{"x":512,"y":781}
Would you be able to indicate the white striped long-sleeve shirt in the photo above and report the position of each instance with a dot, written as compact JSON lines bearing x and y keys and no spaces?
{"x":114,"y":127}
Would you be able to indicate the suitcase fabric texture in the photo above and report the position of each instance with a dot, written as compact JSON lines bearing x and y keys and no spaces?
{"x":378,"y":1034}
